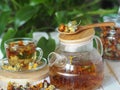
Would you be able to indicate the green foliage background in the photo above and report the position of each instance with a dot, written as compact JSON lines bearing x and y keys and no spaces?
{"x":20,"y":18}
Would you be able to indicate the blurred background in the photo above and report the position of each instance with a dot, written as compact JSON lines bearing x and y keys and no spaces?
{"x":22,"y":18}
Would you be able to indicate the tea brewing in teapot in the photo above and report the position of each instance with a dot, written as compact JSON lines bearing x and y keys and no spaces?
{"x":76,"y":64}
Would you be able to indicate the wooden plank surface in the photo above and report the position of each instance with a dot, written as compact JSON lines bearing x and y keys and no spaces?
{"x":114,"y":66}
{"x":110,"y":82}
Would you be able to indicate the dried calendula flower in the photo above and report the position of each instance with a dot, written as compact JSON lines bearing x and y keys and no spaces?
{"x":51,"y":87}
{"x":35,"y":65}
{"x":39,"y":86}
{"x":62,"y":28}
{"x":69,"y":27}
{"x":10,"y":86}
{"x":30,"y":66}
{"x":71,"y":58}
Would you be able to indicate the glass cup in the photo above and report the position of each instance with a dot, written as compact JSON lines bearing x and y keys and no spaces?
{"x":22,"y":51}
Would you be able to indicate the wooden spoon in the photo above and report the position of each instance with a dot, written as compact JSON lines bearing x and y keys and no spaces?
{"x":81,"y":28}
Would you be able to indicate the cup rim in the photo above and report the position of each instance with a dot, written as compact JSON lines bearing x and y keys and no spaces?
{"x":18,"y":39}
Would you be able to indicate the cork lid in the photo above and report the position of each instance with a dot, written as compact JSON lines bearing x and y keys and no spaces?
{"x":78,"y":37}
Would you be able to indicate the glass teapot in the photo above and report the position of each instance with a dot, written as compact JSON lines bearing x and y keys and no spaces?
{"x":76,"y":64}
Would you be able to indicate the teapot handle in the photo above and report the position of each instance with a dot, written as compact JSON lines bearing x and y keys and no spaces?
{"x":52,"y":60}
{"x":54,"y":57}
{"x":99,"y":44}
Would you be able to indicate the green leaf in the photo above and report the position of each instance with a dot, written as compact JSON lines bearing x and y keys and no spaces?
{"x":59,"y":17}
{"x":36,"y":2}
{"x":30,"y":34}
{"x":24,"y":33}
{"x":47,"y":45}
{"x":24,"y":14}
{"x":4,"y":5}
{"x":89,"y":3}
{"x":102,"y":12}
{"x":21,"y":33}
{"x":4,"y":17}
{"x":9,"y":34}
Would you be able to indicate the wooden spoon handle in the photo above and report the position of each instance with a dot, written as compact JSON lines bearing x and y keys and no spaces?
{"x":96,"y":25}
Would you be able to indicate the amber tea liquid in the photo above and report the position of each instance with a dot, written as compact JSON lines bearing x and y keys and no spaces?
{"x":77,"y":76}
{"x":21,"y":53}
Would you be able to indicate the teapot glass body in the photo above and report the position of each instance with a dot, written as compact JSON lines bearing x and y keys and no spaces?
{"x":76,"y":66}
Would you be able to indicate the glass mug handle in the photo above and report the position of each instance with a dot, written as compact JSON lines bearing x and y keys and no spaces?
{"x":40,"y":53}
{"x":99,"y":44}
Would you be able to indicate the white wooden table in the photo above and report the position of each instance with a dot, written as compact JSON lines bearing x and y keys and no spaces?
{"x":112,"y":69}
{"x":112,"y":76}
